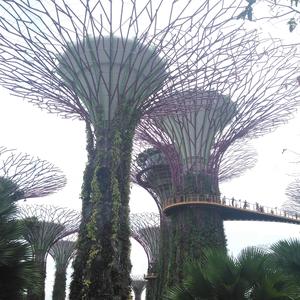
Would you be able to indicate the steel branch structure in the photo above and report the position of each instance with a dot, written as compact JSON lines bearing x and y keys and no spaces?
{"x":29,"y":177}
{"x":62,"y":252}
{"x":109,"y":63}
{"x":58,"y":54}
{"x":194,"y":141}
{"x":44,"y":226}
{"x":138,"y":284}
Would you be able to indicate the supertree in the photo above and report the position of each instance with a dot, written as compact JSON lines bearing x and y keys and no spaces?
{"x":44,"y":226}
{"x":62,"y":252}
{"x":23,"y":176}
{"x":293,"y":194}
{"x":138,"y":284}
{"x":145,"y":230}
{"x":202,"y":123}
{"x":151,"y":170}
{"x":107,"y":62}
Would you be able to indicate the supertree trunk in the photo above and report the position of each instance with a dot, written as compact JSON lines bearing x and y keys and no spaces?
{"x":62,"y":252}
{"x":192,"y":230}
{"x":40,"y":262}
{"x":151,"y":289}
{"x":137,"y":296}
{"x":124,"y":232}
{"x":82,"y":249}
{"x":59,"y":289}
{"x":108,"y":266}
{"x":164,"y":252}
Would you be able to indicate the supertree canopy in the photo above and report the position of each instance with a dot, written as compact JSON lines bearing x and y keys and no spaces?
{"x":239,"y":95}
{"x":44,"y":226}
{"x":203,"y":124}
{"x":23,"y":176}
{"x":104,"y":71}
{"x":145,"y":229}
{"x":138,"y":284}
{"x":62,"y":252}
{"x":109,"y":63}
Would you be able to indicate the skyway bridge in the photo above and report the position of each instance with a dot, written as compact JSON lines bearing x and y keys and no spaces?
{"x":232,"y":209}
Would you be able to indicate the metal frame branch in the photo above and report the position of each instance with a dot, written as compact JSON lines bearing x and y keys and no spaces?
{"x":31,"y":177}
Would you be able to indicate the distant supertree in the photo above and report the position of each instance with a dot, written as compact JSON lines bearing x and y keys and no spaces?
{"x":293,"y":194}
{"x":44,"y":226}
{"x":62,"y":252}
{"x":138,"y":284}
{"x":145,"y":229}
{"x":23,"y":176}
{"x":108,"y":62}
{"x":202,"y":123}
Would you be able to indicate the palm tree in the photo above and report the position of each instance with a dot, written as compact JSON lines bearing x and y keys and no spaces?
{"x":218,"y":276}
{"x":286,"y":255}
{"x":17,"y":272}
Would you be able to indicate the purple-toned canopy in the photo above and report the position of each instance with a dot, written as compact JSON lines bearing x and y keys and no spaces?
{"x":204,"y":122}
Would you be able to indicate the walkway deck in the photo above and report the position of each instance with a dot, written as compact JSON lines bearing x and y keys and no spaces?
{"x":235,"y":210}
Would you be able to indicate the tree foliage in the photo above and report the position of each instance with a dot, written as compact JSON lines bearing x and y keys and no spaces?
{"x":17,"y":272}
{"x":251,"y":276}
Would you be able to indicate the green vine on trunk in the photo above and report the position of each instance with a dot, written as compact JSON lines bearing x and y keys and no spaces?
{"x":79,"y":263}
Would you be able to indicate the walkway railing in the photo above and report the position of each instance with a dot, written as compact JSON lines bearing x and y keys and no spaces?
{"x":229,"y":202}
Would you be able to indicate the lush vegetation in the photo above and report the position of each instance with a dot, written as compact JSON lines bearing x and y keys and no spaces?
{"x":17,"y":272}
{"x":254,"y":275}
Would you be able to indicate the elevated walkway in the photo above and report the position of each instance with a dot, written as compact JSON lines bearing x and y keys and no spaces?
{"x":233,"y":210}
